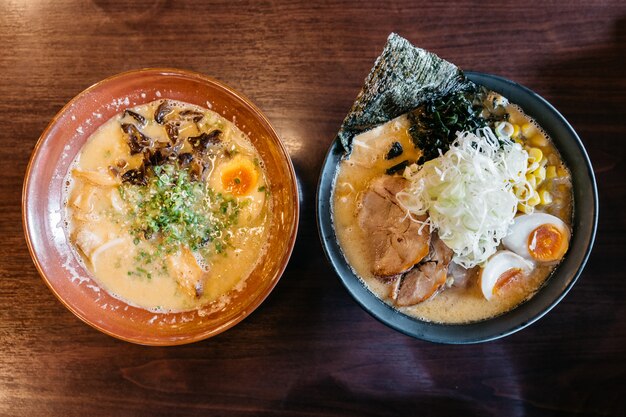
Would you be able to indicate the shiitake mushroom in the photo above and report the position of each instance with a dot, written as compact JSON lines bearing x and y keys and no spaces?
{"x":136,"y":140}
{"x":193,"y":115}
{"x":157,"y":153}
{"x":185,"y":159}
{"x":135,"y":176}
{"x":172,"y":131}
{"x":139,"y":118}
{"x":164,"y":110}
{"x":202,"y":142}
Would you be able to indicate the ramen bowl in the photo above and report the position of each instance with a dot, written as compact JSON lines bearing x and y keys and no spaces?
{"x":43,"y":207}
{"x":585,"y":202}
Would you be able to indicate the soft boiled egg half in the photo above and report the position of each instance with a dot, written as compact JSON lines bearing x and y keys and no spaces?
{"x":540,"y":237}
{"x":240,"y":177}
{"x":501,"y":269}
{"x":537,"y":237}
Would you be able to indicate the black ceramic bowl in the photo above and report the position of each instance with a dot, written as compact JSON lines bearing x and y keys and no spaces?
{"x":555,"y":287}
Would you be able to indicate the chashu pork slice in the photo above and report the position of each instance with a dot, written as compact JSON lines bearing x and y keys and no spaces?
{"x":394,"y":240}
{"x":427,"y":278}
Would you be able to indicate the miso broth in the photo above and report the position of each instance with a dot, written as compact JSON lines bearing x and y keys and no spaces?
{"x":460,"y":299}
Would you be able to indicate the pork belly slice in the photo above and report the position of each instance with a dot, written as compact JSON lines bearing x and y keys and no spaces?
{"x":395,"y":242}
{"x":427,"y":278}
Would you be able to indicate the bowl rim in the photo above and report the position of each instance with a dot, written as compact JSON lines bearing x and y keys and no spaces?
{"x":425,"y":330}
{"x":163,"y":71}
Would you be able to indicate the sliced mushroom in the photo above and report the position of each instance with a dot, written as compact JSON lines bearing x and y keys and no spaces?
{"x":163,"y":111}
{"x":193,"y":115}
{"x":136,"y":116}
{"x":202,"y":142}
{"x":172,"y":131}
{"x":136,"y":140}
{"x":135,"y":177}
{"x":118,"y":167}
{"x":163,"y":153}
{"x":197,"y":169}
{"x":185,"y":159}
{"x":157,"y":157}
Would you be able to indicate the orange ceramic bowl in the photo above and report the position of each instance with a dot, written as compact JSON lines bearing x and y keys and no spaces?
{"x":43,"y":211}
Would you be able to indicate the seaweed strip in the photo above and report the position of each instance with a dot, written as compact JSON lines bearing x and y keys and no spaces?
{"x":395,"y":151}
{"x":403,"y":77}
{"x":397,"y":167}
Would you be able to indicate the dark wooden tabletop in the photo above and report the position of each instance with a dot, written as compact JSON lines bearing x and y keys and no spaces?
{"x":310,"y":349}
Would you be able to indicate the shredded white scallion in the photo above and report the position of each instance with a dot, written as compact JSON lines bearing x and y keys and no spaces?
{"x":468,"y":193}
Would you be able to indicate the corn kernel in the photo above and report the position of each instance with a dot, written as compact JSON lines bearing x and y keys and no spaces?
{"x":551,"y":172}
{"x":520,"y":192}
{"x":528,"y":129}
{"x":535,"y":155}
{"x":532,"y":180}
{"x":525,"y":208}
{"x":516,"y":131}
{"x":519,"y":141}
{"x":534,"y":200}
{"x":540,"y":174}
{"x":538,"y":140}
{"x":545,"y":197}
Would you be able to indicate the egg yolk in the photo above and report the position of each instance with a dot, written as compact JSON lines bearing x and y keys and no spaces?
{"x":240,"y":177}
{"x":506,"y":277}
{"x":547,"y":243}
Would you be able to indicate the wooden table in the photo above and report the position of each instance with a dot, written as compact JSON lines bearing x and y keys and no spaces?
{"x":310,"y":349}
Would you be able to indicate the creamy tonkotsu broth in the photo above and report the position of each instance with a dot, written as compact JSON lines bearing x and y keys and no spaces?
{"x":458,"y":297}
{"x":168,"y":206}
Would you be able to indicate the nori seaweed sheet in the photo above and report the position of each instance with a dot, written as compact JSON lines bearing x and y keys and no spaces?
{"x":403,"y":77}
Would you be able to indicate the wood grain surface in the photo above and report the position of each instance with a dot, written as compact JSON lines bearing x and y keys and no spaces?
{"x":310,"y":349}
